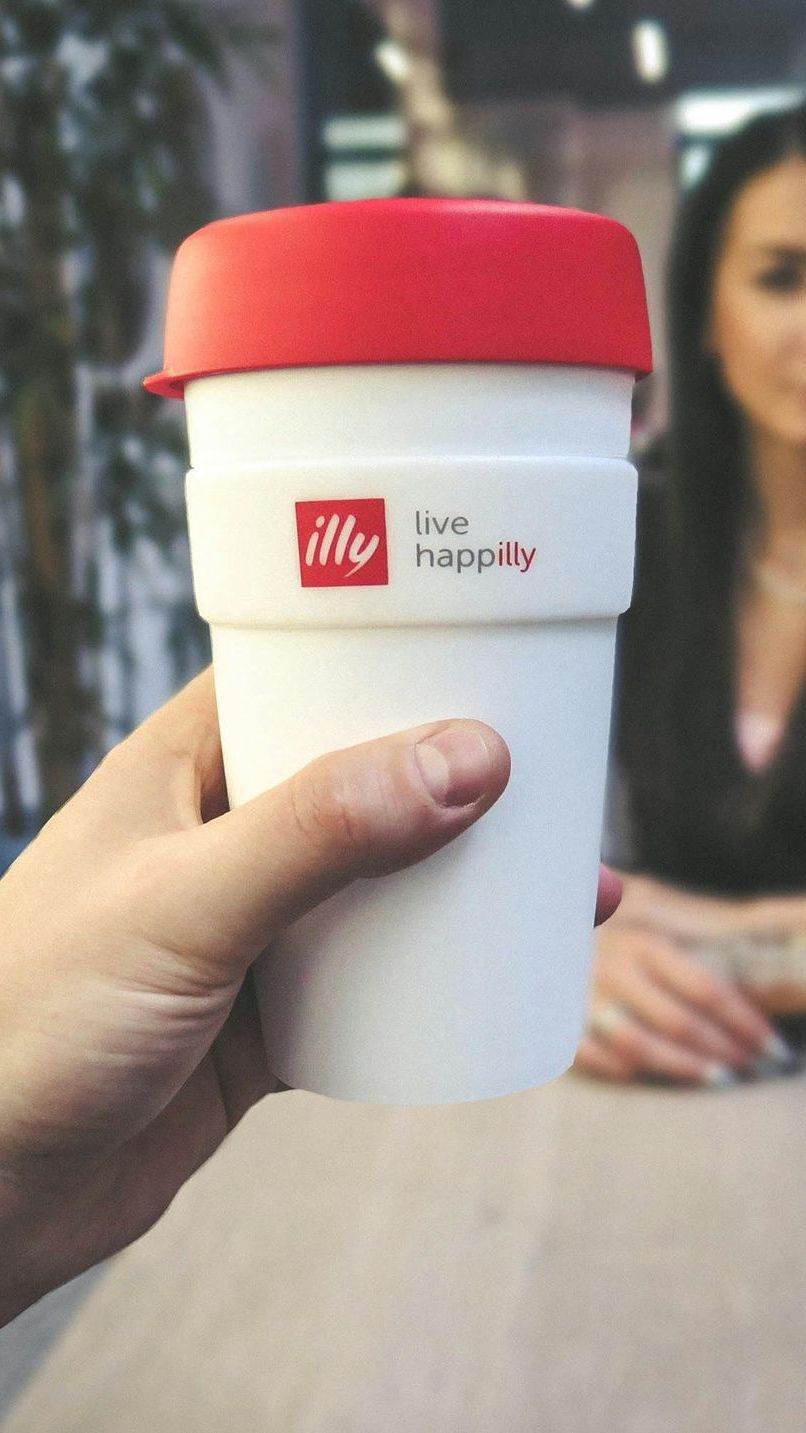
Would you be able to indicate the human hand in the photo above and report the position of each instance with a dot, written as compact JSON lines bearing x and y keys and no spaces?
{"x":129,"y":1037}
{"x":656,"y":1011}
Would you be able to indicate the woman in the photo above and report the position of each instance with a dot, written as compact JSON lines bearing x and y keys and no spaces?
{"x":709,"y":750}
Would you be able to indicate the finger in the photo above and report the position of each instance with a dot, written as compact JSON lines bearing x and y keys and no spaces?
{"x":168,"y":774}
{"x":611,"y":888}
{"x":187,"y":726}
{"x":670,"y":1016}
{"x":222,"y":891}
{"x":652,"y":1053}
{"x":594,"y":1057}
{"x":720,"y":1001}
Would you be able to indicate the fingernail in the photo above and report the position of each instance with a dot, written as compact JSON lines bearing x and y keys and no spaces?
{"x":455,"y":765}
{"x":777,"y":1050}
{"x":719,"y":1077}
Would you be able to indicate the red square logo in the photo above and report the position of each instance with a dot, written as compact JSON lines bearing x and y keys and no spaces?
{"x":343,"y":543}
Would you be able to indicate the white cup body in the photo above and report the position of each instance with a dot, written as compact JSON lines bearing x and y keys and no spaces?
{"x":464,"y":977}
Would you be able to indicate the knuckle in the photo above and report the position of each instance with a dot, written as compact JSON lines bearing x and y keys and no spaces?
{"x":326,"y":813}
{"x":365,"y":813}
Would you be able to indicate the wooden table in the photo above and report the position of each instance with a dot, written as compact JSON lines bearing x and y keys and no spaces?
{"x":577,"y":1259}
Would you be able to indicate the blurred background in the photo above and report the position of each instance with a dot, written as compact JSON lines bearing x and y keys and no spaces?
{"x":123,"y":126}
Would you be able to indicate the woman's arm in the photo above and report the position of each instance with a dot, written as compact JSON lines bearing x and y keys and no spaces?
{"x":694,"y":915}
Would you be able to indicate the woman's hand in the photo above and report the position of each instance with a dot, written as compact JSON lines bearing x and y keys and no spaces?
{"x":656,"y":1011}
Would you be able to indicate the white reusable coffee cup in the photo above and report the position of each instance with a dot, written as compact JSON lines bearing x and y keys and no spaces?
{"x":409,"y":500}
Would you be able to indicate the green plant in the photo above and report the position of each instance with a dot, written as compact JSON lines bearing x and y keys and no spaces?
{"x":104,"y":138}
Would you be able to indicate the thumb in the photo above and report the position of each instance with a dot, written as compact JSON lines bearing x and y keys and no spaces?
{"x":228,"y":887}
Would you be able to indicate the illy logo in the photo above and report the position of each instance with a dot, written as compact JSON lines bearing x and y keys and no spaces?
{"x":343,"y":543}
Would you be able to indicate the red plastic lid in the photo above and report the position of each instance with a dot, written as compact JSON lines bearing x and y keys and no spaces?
{"x":404,"y":281}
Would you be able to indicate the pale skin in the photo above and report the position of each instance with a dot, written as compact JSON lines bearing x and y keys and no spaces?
{"x":129,"y":1037}
{"x":679,"y":1019}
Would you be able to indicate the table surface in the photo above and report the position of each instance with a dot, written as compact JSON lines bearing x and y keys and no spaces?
{"x":581,"y":1258}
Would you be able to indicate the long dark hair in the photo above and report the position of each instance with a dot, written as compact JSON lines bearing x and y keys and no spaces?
{"x":699,"y":817}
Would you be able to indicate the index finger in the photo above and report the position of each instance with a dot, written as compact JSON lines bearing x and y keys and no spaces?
{"x":169,"y":770}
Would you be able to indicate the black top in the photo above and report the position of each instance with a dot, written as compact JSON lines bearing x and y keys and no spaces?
{"x":682,"y":804}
